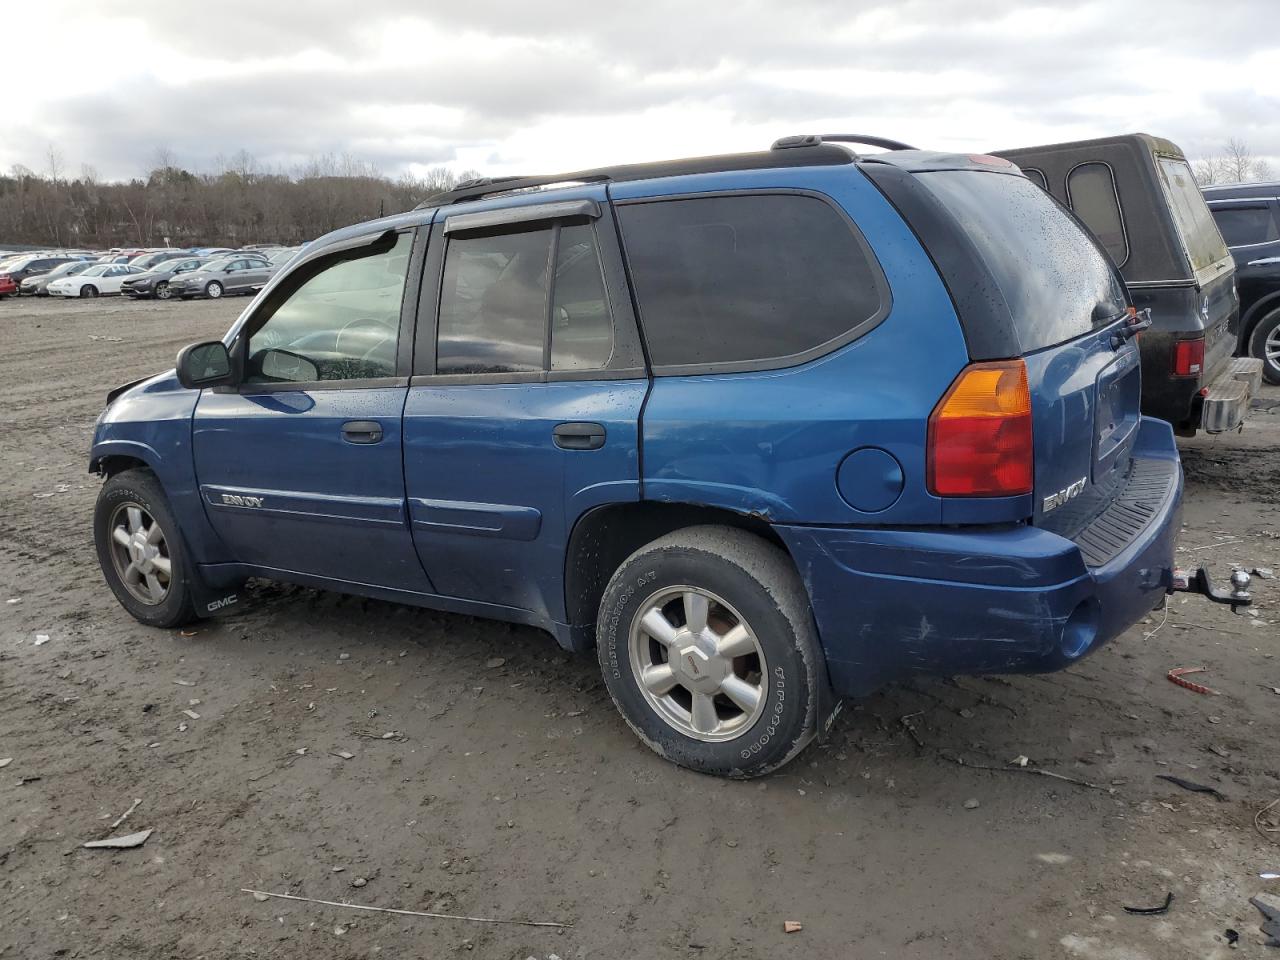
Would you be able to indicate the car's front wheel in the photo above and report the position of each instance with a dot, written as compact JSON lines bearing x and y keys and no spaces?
{"x":140,"y":549}
{"x":162,"y":291}
{"x":709,"y":650}
{"x":213,"y":290}
{"x":88,"y":291}
{"x":1264,"y":342}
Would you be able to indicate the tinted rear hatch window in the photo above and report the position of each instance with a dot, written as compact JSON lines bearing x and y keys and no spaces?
{"x":1056,"y":282}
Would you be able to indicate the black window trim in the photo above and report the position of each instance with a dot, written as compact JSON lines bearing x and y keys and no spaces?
{"x":860,"y":329}
{"x":1260,"y":203}
{"x":349,"y":249}
{"x":626,"y":335}
{"x":1044,"y":180}
{"x":1115,"y":192}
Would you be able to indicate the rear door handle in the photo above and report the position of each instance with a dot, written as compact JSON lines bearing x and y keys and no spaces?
{"x":579,"y":436}
{"x":362,"y":431}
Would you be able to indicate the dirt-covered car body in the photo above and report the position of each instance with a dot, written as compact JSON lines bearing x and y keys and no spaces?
{"x":491,"y":403}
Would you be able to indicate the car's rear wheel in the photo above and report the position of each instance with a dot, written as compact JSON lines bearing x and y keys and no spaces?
{"x":162,"y":291}
{"x":88,"y":291}
{"x":140,"y":550}
{"x":1264,"y":342}
{"x":709,"y":650}
{"x":213,"y":290}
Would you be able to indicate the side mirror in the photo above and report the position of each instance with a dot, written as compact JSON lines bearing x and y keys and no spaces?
{"x":205,"y":365}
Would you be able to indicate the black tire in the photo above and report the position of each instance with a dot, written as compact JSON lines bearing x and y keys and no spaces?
{"x":141,"y":488}
{"x":162,"y":291}
{"x":213,"y":290}
{"x":88,"y":291}
{"x":1268,"y":328}
{"x":758,"y":581}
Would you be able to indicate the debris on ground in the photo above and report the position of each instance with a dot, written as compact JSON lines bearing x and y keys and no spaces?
{"x":1152,"y":911}
{"x":5,"y":762}
{"x":1176,"y":676}
{"x":416,"y":913}
{"x":1270,"y":909}
{"x":1019,"y":761}
{"x":1233,"y":936}
{"x":41,"y":639}
{"x":23,"y":781}
{"x":1192,"y":785}
{"x":791,"y":926}
{"x":127,"y":842}
{"x":971,"y":804}
{"x":184,"y":683}
{"x":125,"y":816}
{"x":1265,"y":573}
{"x":192,"y":714}
{"x":359,"y":882}
{"x":493,"y":663}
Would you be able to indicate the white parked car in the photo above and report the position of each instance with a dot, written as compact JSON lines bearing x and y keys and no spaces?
{"x":101,"y":278}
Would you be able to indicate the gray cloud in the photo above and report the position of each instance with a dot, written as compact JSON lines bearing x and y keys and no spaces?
{"x":304,"y":81}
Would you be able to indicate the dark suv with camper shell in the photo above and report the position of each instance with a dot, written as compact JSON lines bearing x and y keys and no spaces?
{"x":764,"y":430}
{"x":1248,"y":216}
{"x":1136,"y":193}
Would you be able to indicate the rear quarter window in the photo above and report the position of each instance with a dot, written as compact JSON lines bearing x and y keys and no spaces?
{"x":748,"y":281}
{"x":1091,"y":189}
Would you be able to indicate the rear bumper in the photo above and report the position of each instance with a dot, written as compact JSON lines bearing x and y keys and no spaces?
{"x":890,"y":603}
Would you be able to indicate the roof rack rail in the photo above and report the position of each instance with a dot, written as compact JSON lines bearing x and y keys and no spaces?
{"x":813,"y":139}
{"x":486,"y":186}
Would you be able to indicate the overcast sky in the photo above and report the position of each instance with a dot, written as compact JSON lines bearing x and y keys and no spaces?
{"x":547,"y":85}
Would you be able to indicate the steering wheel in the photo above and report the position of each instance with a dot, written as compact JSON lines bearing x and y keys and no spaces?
{"x":388,"y":334}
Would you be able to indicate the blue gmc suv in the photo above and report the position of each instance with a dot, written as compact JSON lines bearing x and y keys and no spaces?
{"x":767,"y":430}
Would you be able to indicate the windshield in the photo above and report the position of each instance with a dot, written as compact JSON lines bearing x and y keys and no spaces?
{"x":1200,"y":237}
{"x":97,"y":270}
{"x":1056,"y":281}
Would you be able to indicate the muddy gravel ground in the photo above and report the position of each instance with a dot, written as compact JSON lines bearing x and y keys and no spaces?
{"x":509,"y":788}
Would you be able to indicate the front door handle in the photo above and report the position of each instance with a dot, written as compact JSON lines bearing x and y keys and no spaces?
{"x":362,"y":431}
{"x":579,"y":436}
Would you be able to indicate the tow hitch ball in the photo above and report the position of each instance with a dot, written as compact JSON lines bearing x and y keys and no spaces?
{"x":1198,"y":582}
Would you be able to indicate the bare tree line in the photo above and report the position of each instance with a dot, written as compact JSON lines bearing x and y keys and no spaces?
{"x":239,"y":203}
{"x":1236,"y":164}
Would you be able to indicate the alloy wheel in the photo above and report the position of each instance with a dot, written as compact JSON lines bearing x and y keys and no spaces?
{"x":140,"y":553}
{"x":698,"y":663}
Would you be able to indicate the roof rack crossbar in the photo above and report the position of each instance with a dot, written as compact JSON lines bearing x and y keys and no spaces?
{"x":812,"y":139}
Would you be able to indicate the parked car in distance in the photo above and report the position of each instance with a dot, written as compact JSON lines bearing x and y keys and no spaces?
{"x":8,"y":288}
{"x":154,"y":282}
{"x":100,"y":279}
{"x":20,"y":268}
{"x":1136,"y":193}
{"x":1248,"y":216}
{"x":849,"y":444}
{"x":38,"y":285}
{"x":148,"y":260}
{"x":235,"y":274}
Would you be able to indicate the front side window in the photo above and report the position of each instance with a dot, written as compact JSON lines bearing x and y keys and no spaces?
{"x":1243,"y":226}
{"x":746,"y":279}
{"x":1091,"y":188}
{"x":342,"y":321}
{"x":500,"y":291}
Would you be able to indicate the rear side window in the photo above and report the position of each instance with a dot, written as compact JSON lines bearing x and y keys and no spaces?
{"x":749,"y":280}
{"x":1036,"y":177}
{"x":501,"y":290}
{"x":1200,"y":236}
{"x":1091,"y":189}
{"x":1057,"y":283}
{"x":1246,"y":225}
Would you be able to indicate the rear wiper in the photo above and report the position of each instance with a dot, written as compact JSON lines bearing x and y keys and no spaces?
{"x":1137,"y":322}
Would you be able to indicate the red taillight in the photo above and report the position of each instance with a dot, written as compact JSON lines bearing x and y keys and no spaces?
{"x":1188,"y":357}
{"x":980,"y":434}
